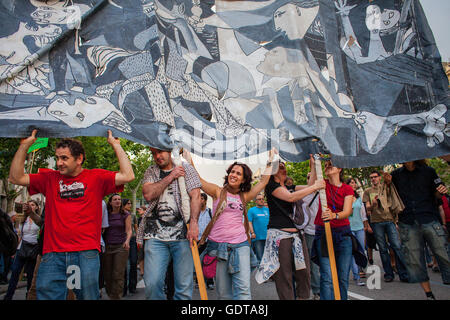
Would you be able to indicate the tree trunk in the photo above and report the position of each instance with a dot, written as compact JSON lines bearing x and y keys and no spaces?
{"x":133,"y":197}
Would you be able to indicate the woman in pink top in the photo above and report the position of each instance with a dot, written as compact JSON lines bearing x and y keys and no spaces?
{"x":228,"y":232}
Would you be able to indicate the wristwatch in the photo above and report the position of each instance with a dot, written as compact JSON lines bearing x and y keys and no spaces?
{"x":337,"y":216}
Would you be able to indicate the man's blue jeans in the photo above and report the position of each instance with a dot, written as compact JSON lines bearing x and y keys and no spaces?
{"x":258,"y":248}
{"x":381,"y":230}
{"x":413,"y":239}
{"x":343,"y":256}
{"x":157,"y":255}
{"x":60,"y":271}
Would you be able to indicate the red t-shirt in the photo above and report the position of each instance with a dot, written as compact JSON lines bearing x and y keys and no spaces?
{"x":335,"y":201}
{"x":73,"y":207}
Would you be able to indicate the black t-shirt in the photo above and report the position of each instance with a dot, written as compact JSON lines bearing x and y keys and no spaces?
{"x":417,"y":189}
{"x":279,"y":210}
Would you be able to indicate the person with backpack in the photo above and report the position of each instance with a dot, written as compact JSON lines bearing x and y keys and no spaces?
{"x":285,"y":248}
{"x":204,"y":218}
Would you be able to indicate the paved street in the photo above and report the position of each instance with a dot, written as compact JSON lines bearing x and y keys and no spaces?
{"x":395,"y":290}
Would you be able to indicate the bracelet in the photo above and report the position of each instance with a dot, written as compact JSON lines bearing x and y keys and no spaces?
{"x":337,"y":216}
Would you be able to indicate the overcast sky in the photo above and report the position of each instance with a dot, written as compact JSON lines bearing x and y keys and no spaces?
{"x":438,"y":16}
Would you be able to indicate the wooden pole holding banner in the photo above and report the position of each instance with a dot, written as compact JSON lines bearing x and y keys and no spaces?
{"x":185,"y":204}
{"x":328,"y":235}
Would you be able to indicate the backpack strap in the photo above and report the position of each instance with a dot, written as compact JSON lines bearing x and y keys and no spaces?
{"x":220,"y":208}
{"x":246,"y":223}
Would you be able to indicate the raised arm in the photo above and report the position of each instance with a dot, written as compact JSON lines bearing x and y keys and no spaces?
{"x":152,"y":190}
{"x":33,"y":215}
{"x":17,"y":173}
{"x":284,"y":194}
{"x":209,"y":188}
{"x":265,"y":177}
{"x":125,"y":173}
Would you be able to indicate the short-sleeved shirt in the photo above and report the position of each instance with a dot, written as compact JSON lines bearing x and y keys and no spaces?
{"x":335,"y":202}
{"x":116,"y":232}
{"x":166,"y":221}
{"x":280,"y":210}
{"x":73,"y":207}
{"x":259,"y":217}
{"x":417,"y":189}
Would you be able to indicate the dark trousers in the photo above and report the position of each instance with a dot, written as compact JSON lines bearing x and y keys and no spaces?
{"x":131,"y":274}
{"x":283,"y":276}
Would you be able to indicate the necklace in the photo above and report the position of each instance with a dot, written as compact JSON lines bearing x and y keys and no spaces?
{"x":333,"y":197}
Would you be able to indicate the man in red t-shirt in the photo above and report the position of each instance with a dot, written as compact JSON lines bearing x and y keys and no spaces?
{"x":73,"y":214}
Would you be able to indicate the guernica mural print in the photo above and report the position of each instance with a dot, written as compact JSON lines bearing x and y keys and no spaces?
{"x":360,"y":80}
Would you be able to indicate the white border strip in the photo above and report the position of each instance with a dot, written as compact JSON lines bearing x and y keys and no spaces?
{"x":358,"y":296}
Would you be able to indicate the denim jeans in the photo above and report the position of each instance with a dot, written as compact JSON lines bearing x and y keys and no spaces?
{"x":381,"y":230}
{"x":315,"y":272}
{"x":235,"y":286}
{"x":59,"y":269}
{"x":157,"y":256}
{"x":343,"y":256}
{"x":258,"y":248}
{"x":360,"y":236}
{"x":413,"y":239}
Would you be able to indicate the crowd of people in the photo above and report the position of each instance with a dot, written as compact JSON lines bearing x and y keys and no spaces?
{"x":86,"y":234}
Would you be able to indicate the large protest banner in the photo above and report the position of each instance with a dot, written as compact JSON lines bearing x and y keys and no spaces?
{"x":361,"y":80}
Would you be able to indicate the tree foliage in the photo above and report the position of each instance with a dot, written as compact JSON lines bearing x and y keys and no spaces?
{"x":99,"y":154}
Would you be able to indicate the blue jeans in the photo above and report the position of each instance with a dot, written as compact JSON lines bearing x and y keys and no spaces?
{"x":381,"y":230}
{"x":343,"y":256}
{"x":315,"y":272}
{"x":16,"y":268}
{"x":360,"y":236}
{"x":157,"y":255}
{"x":235,"y":286}
{"x":58,"y":270}
{"x":258,"y":248}
{"x":413,"y":239}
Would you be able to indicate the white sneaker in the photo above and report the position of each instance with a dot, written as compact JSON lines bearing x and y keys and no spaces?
{"x":359,"y":283}
{"x":140,"y":284}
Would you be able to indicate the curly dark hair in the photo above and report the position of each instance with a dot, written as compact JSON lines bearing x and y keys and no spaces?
{"x":247,"y":175}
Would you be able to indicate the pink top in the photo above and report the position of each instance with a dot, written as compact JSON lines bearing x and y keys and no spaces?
{"x":230,"y":225}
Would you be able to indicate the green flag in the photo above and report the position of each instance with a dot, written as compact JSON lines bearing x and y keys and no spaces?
{"x":40,"y":143}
